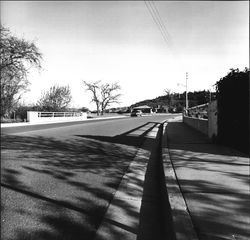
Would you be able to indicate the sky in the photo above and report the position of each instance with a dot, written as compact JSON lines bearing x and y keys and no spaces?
{"x":118,"y":41}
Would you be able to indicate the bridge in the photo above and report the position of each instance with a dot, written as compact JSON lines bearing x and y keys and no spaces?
{"x":39,"y":117}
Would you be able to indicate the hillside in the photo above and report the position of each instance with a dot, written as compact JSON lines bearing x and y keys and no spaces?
{"x":154,"y":103}
{"x":178,"y":100}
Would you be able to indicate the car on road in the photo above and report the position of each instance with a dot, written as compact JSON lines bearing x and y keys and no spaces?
{"x":136,"y":113}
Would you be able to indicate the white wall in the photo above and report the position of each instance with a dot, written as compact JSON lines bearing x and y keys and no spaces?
{"x":197,"y":123}
{"x":34,"y":117}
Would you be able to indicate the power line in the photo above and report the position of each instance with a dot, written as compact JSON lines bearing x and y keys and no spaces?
{"x":155,"y":14}
{"x":161,"y":22}
{"x":156,"y":22}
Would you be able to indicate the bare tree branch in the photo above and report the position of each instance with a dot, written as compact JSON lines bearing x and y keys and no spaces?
{"x":103,"y":94}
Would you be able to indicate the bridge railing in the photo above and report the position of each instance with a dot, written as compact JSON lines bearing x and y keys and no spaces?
{"x":35,"y":117}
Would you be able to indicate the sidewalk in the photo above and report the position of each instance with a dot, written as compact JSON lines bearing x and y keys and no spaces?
{"x":214,"y":183}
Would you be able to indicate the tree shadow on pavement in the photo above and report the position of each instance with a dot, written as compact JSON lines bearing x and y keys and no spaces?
{"x":214,"y":181}
{"x":62,"y":189}
{"x":134,"y":137}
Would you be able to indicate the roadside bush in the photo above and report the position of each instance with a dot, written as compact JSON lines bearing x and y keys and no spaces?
{"x":233,"y":109}
{"x":20,"y":113}
{"x":8,"y":120}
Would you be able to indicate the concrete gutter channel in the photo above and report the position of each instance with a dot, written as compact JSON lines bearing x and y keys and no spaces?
{"x":134,"y":210}
{"x":182,"y":222}
{"x":148,"y":204}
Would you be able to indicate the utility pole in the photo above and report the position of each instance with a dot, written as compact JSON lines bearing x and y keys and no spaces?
{"x":186,"y":91}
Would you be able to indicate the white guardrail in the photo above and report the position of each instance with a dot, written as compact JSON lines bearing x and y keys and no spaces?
{"x":39,"y":117}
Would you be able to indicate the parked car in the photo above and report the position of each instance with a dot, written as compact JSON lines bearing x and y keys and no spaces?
{"x":136,"y":113}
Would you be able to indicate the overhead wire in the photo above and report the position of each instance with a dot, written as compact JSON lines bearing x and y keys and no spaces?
{"x":155,"y":14}
{"x":155,"y":19}
{"x":167,"y":34}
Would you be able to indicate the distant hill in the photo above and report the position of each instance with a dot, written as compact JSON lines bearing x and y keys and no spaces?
{"x":173,"y":102}
{"x":154,"y":103}
{"x":177,"y":100}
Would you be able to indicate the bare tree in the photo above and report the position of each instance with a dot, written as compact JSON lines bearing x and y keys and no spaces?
{"x":109,"y":95}
{"x":169,"y":96}
{"x":167,"y":91}
{"x":17,"y":57}
{"x":103,"y":94}
{"x":57,"y":98}
{"x":94,"y":87}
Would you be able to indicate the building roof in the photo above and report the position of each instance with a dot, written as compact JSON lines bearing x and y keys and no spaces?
{"x":142,"y":107}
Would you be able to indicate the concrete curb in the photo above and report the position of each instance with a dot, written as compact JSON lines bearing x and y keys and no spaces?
{"x":183,"y":225}
{"x":122,"y":218}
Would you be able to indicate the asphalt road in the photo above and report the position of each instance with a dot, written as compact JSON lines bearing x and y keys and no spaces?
{"x":57,"y":182}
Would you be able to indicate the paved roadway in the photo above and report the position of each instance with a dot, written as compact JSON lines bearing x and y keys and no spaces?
{"x":57,"y":181}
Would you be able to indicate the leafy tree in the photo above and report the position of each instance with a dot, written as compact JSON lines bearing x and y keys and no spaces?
{"x":103,"y":94}
{"x":17,"y":57}
{"x":57,"y":98}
